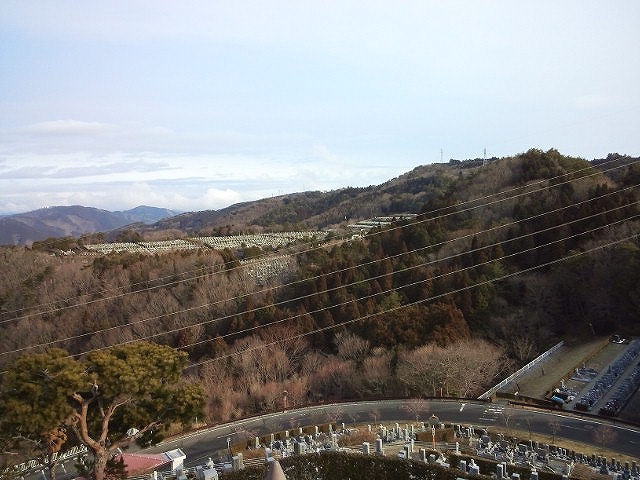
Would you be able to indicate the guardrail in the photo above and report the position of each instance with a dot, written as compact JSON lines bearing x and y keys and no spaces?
{"x":515,"y":375}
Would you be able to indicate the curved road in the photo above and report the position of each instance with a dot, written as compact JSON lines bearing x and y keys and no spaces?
{"x":200,"y":445}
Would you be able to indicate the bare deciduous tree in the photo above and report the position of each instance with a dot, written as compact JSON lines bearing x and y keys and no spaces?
{"x":377,"y":373}
{"x":604,"y":435}
{"x":352,"y":347}
{"x":461,"y":369}
{"x":554,"y":428}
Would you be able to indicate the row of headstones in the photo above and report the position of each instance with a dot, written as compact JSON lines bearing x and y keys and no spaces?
{"x":304,"y":443}
{"x":500,"y":473}
{"x":625,"y":475}
{"x":384,"y":435}
{"x":407,"y":449}
{"x":514,"y":449}
{"x":271,"y":239}
{"x":408,"y":434}
{"x":397,"y":433}
{"x":543,"y":450}
{"x":606,"y":381}
{"x":612,"y":466}
{"x":465,"y":431}
{"x":299,"y":444}
{"x":629,"y":472}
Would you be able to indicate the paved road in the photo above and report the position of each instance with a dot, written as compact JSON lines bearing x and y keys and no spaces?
{"x":200,"y":445}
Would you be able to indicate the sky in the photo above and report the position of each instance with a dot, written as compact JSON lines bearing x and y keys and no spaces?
{"x":199,"y":105}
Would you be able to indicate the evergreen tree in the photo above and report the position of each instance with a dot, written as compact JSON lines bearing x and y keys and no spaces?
{"x":108,"y":399}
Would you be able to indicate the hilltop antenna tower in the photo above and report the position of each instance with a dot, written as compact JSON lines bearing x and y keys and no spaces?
{"x":484,"y":159}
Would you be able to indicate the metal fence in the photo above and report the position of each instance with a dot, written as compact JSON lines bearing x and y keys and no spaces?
{"x":533,"y":363}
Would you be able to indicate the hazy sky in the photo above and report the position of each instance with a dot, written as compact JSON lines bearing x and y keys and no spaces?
{"x":198,"y":105}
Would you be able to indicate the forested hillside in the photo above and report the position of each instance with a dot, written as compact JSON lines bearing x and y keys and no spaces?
{"x":502,"y":261}
{"x":319,"y":210}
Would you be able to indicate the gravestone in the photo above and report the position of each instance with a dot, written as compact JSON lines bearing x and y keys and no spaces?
{"x":300,"y":448}
{"x":237,"y":462}
{"x":423,"y":455}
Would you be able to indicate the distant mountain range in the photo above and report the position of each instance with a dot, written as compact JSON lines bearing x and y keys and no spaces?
{"x":72,"y":221}
{"x":427,"y":186}
{"x":312,"y":210}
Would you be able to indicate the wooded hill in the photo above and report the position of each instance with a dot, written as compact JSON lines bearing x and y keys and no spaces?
{"x":502,"y":261}
{"x":316,"y":210}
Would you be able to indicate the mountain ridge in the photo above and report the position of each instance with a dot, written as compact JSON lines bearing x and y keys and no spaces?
{"x":311,"y":210}
{"x":71,"y":221}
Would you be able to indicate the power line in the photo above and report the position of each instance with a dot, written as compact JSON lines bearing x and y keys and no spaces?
{"x":488,"y":262}
{"x":328,"y":273}
{"x":540,"y":182}
{"x":400,"y":307}
{"x":549,"y":184}
{"x":287,"y":301}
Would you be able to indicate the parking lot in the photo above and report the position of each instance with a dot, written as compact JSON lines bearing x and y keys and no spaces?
{"x":607,"y":390}
{"x":604,"y":375}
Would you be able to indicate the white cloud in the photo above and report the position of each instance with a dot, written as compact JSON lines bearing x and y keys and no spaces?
{"x":217,"y":198}
{"x":70,"y":127}
{"x":211,"y":102}
{"x":184,"y":182}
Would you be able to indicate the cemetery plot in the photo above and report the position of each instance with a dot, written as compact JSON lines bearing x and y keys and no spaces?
{"x":232,"y":242}
{"x":262,"y":240}
{"x":601,"y":378}
{"x":381,"y":221}
{"x":114,"y":247}
{"x":467,"y":449}
{"x":269,"y":268}
{"x":614,"y":386}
